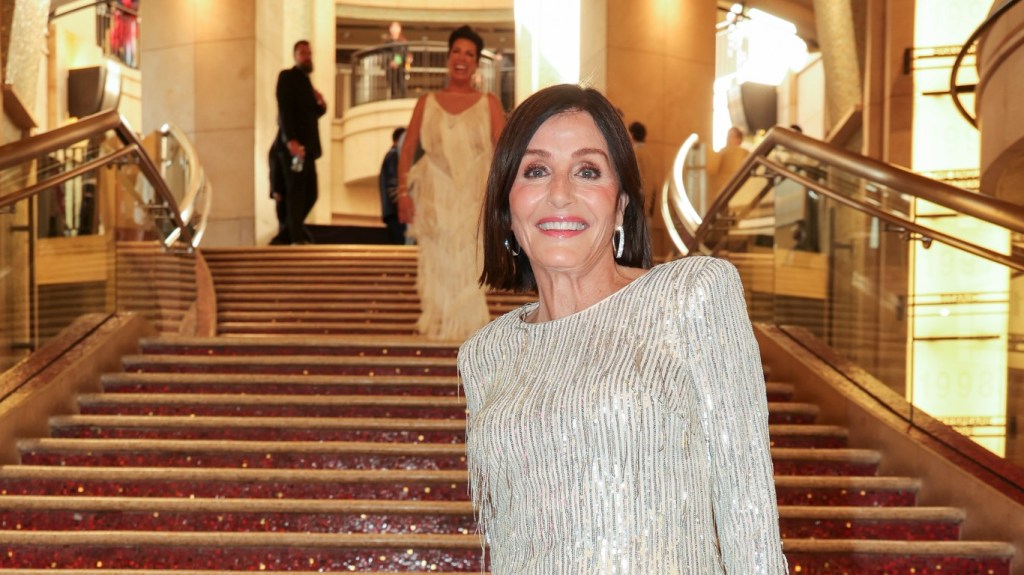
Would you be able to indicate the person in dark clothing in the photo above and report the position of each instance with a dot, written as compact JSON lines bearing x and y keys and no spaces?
{"x":278,"y":160}
{"x":299,"y":106}
{"x":398,"y":62}
{"x":388,"y":183}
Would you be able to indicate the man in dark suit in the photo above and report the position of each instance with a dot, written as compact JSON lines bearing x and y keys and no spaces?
{"x":388,"y":184}
{"x":299,"y":106}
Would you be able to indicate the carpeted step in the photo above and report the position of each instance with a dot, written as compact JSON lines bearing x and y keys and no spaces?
{"x":289,"y":269}
{"x":400,"y":305}
{"x":244,"y":454}
{"x":321,"y":484}
{"x":361,"y":346}
{"x":366,"y":552}
{"x":314,"y":287}
{"x":241,"y":551}
{"x":304,"y":405}
{"x":295,"y":365}
{"x":101,"y":571}
{"x":791,"y":412}
{"x":274,"y":279}
{"x":778,"y":392}
{"x":249,"y":405}
{"x":314,"y":328}
{"x":327,"y":253}
{"x":387,"y":430}
{"x":391,"y":430}
{"x":61,"y":513}
{"x":855,"y":556}
{"x":288,"y":305}
{"x":349,"y":455}
{"x":377,"y":484}
{"x":881,"y":523}
{"x":808,"y":436}
{"x":42,"y":513}
{"x":315,"y":316}
{"x":835,"y":462}
{"x":270,"y":384}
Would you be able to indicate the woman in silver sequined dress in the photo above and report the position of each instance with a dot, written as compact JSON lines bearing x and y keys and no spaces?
{"x":619,"y":424}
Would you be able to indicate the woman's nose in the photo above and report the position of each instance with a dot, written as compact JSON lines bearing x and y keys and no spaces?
{"x":560,"y":192}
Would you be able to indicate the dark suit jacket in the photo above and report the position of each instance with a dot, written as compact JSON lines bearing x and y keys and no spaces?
{"x":297,"y":110}
{"x":388,"y":183}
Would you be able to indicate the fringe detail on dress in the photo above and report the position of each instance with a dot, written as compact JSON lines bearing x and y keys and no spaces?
{"x":447,"y":188}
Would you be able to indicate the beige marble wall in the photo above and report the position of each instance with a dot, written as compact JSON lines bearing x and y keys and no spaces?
{"x":888,"y":93}
{"x":656,"y":61}
{"x":838,"y":40}
{"x":469,"y":11}
{"x":214,"y":67}
{"x":361,"y":139}
{"x":199,"y":65}
{"x":72,"y":42}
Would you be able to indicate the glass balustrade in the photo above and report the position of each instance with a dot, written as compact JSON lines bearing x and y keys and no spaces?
{"x":410,"y":69}
{"x":86,"y":227}
{"x":926,"y":296}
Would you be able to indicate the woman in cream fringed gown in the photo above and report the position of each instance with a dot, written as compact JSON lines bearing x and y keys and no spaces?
{"x":440,"y":192}
{"x":619,"y":425}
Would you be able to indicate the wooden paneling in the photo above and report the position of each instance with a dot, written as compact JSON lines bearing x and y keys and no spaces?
{"x":73,"y":260}
{"x":801,"y":274}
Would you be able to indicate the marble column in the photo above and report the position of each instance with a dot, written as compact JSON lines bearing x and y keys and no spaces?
{"x":655,"y":59}
{"x":211,"y":68}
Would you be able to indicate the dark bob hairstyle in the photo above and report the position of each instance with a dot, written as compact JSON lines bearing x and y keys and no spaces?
{"x":504,"y":271}
{"x":466,"y":33}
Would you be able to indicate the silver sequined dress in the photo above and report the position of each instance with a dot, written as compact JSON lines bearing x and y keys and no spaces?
{"x":628,"y":438}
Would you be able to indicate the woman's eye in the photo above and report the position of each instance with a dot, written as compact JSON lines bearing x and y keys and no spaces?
{"x":590,"y":172}
{"x":534,"y":172}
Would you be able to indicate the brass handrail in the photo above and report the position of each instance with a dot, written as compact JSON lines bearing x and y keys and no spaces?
{"x":19,"y":151}
{"x":22,"y":151}
{"x":954,"y":89}
{"x":985,"y":208}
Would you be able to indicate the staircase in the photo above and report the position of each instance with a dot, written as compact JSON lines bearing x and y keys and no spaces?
{"x":317,"y":434}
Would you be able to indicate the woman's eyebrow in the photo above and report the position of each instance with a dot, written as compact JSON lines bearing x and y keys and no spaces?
{"x":589,"y":151}
{"x":576,"y":154}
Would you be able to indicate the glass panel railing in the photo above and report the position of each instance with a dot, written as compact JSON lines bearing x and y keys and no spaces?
{"x":410,"y":69}
{"x":88,"y":225}
{"x":913,"y":281}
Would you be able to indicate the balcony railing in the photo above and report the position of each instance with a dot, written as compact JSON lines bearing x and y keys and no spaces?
{"x":408,"y":69}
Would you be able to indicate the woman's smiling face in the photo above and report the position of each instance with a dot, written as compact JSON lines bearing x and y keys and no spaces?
{"x":462,"y":60}
{"x":565,"y":201}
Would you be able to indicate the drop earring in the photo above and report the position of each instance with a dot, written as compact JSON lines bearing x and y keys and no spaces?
{"x":621,"y":233}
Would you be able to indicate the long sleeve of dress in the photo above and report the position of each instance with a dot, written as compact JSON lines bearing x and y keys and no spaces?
{"x":734,"y":414}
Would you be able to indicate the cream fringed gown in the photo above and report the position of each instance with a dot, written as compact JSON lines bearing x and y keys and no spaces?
{"x":628,"y":438}
{"x":447,"y":188}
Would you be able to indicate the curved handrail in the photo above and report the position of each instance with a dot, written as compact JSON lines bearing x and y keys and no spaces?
{"x":200,"y":229}
{"x":196,"y":176}
{"x":985,"y":208}
{"x":21,"y":151}
{"x":670,"y":192}
{"x":954,"y":89}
